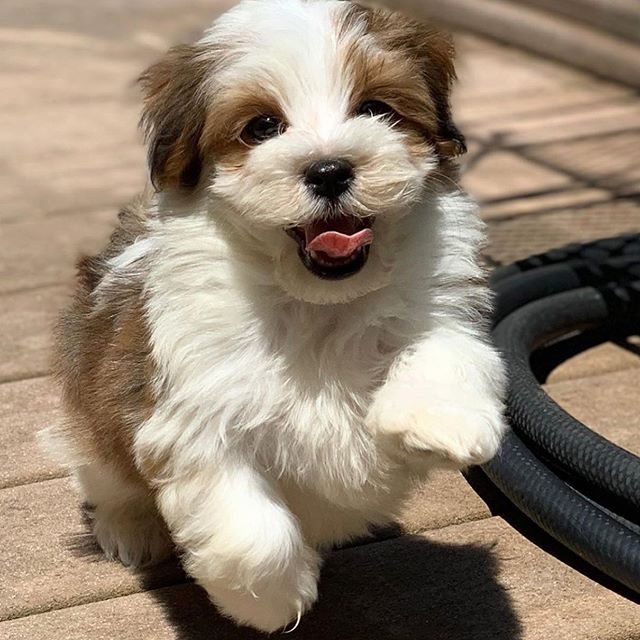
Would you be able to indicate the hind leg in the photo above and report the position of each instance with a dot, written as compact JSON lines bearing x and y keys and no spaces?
{"x":125,"y":521}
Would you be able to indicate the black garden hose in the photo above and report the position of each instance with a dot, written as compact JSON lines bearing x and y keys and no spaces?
{"x":549,"y":454}
{"x":576,"y":448}
{"x":566,"y":515}
{"x":597,"y":251}
{"x":514,"y":292}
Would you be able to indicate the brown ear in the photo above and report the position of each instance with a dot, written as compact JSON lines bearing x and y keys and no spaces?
{"x":173,"y":117}
{"x":437,"y":55}
{"x":433,"y":51}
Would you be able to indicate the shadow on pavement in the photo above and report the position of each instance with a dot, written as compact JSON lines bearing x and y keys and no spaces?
{"x":407,"y":588}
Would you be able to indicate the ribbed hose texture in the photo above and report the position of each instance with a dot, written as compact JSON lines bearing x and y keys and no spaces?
{"x":539,"y":300}
{"x":575,"y":447}
{"x":573,"y":521}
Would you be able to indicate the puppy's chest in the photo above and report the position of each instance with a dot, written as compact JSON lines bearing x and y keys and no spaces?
{"x":291,"y":389}
{"x":311,"y":380}
{"x":323,"y":375}
{"x":316,"y":435}
{"x":307,"y":371}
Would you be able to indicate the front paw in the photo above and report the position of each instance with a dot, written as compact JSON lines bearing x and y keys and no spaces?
{"x":449,"y":426}
{"x":268,"y":603}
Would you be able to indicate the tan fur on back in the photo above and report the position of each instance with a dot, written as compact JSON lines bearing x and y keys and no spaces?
{"x":102,"y":355}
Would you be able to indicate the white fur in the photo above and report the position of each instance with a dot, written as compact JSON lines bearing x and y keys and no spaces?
{"x":125,"y":519}
{"x":294,"y":411}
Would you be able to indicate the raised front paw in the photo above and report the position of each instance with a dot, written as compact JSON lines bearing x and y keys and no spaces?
{"x":440,"y":426}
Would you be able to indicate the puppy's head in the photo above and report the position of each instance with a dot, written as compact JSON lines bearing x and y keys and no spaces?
{"x":314,"y":126}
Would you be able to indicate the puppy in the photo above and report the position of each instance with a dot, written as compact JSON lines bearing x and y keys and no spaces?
{"x":293,"y":326}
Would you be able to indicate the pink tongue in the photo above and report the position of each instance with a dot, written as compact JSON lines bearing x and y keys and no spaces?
{"x":340,"y":245}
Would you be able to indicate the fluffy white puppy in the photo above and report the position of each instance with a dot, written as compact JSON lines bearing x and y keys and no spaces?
{"x":294,"y":324}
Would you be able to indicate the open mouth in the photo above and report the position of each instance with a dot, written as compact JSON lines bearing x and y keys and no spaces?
{"x":335,"y":248}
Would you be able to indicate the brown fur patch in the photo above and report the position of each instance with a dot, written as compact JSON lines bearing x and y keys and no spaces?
{"x":393,"y":79}
{"x":183,"y":127}
{"x":175,"y":106}
{"x":424,"y":74}
{"x":102,"y":357}
{"x":235,"y":107}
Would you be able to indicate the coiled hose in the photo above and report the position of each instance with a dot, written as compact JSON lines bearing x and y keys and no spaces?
{"x":577,"y":486}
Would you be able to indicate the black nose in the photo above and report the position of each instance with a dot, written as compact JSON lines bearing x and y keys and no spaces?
{"x":329,"y":178}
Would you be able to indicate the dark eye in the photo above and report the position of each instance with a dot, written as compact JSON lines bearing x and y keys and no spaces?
{"x":375,"y":108}
{"x":262,"y":128}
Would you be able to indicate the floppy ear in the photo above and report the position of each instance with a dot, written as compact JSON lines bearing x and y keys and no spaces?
{"x":437,"y":54}
{"x":173,"y":117}
{"x":433,"y":52}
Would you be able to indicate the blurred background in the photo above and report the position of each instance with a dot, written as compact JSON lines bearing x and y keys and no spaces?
{"x":548,"y":99}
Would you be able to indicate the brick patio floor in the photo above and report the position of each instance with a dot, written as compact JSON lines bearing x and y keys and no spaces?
{"x":554,"y":157}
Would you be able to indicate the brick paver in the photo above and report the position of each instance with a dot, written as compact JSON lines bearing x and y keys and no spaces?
{"x":48,"y":561}
{"x":554,"y":157}
{"x":598,"y":361}
{"x":479,"y":580}
{"x":513,"y":238}
{"x":26,"y":318}
{"x":26,"y":407}
{"x":526,"y":178}
{"x":612,"y":408}
{"x":48,"y":258}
